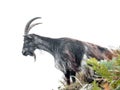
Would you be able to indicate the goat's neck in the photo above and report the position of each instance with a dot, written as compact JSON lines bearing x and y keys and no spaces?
{"x":46,"y":44}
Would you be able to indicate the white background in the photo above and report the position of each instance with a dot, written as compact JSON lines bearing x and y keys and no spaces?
{"x":95,"y":21}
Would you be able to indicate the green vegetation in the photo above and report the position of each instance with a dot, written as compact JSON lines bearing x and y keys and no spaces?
{"x":109,"y":72}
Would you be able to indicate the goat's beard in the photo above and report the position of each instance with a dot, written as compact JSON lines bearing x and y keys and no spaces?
{"x":34,"y":55}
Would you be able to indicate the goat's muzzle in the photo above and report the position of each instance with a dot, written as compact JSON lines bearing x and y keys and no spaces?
{"x":25,"y":53}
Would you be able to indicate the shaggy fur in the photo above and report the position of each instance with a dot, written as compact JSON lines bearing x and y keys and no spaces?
{"x":68,"y":53}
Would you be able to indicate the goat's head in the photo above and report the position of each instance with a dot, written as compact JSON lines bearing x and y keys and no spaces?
{"x":29,"y":45}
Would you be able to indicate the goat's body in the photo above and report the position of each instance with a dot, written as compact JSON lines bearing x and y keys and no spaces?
{"x":68,"y":53}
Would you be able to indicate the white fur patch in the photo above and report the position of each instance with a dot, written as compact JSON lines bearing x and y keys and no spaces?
{"x":84,"y":60}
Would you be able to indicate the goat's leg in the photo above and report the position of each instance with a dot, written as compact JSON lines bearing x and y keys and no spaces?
{"x":67,"y":76}
{"x":73,"y":74}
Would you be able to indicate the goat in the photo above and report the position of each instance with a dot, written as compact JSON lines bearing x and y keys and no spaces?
{"x":68,"y":53}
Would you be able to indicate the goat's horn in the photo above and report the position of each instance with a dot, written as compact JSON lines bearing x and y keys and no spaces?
{"x":28,"y":25}
{"x":33,"y":26}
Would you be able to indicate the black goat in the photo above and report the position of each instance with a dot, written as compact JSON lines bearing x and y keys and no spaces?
{"x":68,"y":53}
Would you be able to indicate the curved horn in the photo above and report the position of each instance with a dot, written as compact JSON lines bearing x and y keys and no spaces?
{"x":33,"y":26}
{"x":28,"y":25}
